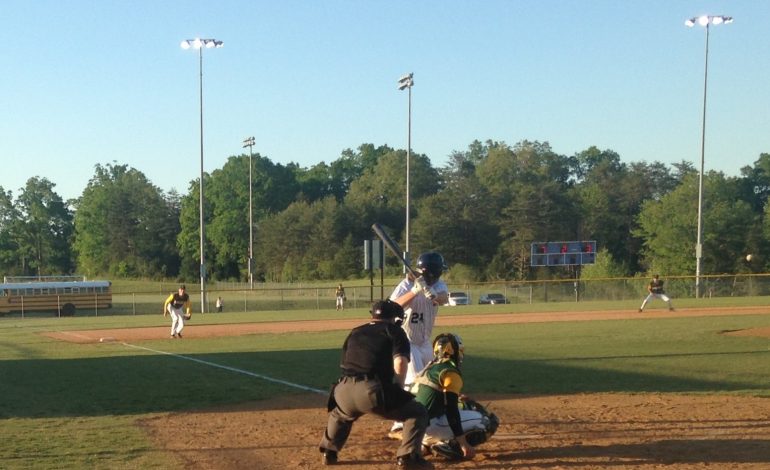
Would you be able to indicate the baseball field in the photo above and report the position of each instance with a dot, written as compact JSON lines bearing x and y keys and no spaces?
{"x":576,"y":385}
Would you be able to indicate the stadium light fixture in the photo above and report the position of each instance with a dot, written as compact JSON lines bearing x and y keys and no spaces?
{"x":705,"y":21}
{"x":249,"y":142}
{"x":199,"y":44}
{"x":406,"y":82}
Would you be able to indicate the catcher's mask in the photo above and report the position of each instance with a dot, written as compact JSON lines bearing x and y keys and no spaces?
{"x":448,"y":346}
{"x":431,"y":265}
{"x":387,"y":309}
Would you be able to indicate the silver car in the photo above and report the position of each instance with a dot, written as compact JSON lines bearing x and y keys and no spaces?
{"x":492,"y":299}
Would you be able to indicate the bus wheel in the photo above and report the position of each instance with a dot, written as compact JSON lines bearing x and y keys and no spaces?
{"x":68,"y":310}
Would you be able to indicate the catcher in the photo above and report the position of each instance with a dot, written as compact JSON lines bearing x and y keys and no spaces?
{"x":178,"y":305}
{"x":457,"y":423}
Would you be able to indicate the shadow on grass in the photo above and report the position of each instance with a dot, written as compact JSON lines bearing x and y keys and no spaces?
{"x":162,"y":383}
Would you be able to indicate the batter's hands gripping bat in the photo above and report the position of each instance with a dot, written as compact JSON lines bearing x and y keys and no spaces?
{"x":393,"y":247}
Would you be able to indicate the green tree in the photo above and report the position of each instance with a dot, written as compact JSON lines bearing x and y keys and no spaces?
{"x":226,"y":213}
{"x":530,"y":188}
{"x":305,"y":241}
{"x":610,"y":196}
{"x":125,"y":226}
{"x":44,"y":236}
{"x":379,"y":195}
{"x":669,"y":227}
{"x":10,"y":261}
{"x":459,"y":223}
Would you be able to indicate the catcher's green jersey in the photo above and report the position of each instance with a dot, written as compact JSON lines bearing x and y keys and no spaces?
{"x":433,"y":383}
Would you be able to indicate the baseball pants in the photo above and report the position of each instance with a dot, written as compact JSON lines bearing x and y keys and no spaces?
{"x":177,"y":319}
{"x":439,"y":431}
{"x":356,"y":397}
{"x":420,"y":356}
{"x":662,"y":297}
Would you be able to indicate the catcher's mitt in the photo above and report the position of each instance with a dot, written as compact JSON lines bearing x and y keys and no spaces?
{"x":187,"y":316}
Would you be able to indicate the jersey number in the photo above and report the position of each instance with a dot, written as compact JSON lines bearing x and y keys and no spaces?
{"x":416,"y":317}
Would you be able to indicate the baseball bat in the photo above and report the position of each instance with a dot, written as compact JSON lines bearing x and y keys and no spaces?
{"x":393,"y":247}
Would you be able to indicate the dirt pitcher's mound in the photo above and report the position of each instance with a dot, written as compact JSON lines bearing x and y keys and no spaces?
{"x":597,"y":431}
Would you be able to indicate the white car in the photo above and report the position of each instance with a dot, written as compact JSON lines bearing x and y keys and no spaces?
{"x":459,"y":298}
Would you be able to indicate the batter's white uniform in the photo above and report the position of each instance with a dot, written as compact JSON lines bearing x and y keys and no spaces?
{"x":420,"y":316}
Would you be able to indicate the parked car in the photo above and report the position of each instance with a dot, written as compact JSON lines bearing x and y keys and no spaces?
{"x":459,"y":298}
{"x":492,"y":299}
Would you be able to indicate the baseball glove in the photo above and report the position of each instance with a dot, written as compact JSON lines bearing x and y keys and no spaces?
{"x":187,"y":316}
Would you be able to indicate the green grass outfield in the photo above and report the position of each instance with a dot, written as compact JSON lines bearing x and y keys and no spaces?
{"x":73,"y":406}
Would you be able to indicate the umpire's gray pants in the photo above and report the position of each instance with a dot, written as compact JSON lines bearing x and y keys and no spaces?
{"x":356,"y":397}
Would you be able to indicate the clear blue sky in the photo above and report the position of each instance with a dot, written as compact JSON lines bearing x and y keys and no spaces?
{"x":96,"y":82}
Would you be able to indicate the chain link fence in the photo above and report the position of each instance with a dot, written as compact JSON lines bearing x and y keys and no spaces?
{"x":239,"y":297}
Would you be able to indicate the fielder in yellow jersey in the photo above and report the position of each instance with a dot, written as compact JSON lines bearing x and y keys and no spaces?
{"x":177,"y":305}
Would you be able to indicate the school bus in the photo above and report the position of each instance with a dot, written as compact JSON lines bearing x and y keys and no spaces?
{"x":61,"y":295}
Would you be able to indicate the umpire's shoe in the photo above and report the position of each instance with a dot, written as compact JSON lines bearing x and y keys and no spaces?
{"x":329,"y":457}
{"x":412,"y":461}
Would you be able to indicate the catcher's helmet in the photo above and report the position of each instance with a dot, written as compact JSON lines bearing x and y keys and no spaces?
{"x":448,"y":346}
{"x":431,"y":265}
{"x":386,"y":309}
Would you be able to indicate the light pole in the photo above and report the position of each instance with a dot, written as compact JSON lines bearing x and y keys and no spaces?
{"x":199,"y":44}
{"x":407,"y":82}
{"x":249,"y":142}
{"x":706,"y":21}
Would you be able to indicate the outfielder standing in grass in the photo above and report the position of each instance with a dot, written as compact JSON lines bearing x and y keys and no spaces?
{"x":178,"y":305}
{"x":655,"y":289}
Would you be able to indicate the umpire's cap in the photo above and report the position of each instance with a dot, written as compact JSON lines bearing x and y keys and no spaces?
{"x":386,"y":309}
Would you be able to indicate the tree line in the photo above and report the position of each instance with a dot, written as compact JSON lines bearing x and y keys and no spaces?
{"x":482,"y":211}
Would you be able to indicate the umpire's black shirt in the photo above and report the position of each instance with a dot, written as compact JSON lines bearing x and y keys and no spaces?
{"x":370,"y":349}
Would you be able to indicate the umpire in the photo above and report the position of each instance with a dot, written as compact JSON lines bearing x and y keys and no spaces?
{"x":374,"y":361}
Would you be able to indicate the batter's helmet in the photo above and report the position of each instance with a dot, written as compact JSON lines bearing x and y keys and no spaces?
{"x":431,"y":265}
{"x":386,"y":309}
{"x":448,"y":346}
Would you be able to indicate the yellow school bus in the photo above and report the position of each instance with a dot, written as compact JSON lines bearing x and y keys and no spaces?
{"x":60,"y":295}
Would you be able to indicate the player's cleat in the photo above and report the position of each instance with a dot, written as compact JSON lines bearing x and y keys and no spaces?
{"x":671,"y":309}
{"x":179,"y":335}
{"x":329,"y":457}
{"x":412,"y":461}
{"x":396,"y":431}
{"x":449,"y":450}
{"x":174,"y":335}
{"x":640,"y":310}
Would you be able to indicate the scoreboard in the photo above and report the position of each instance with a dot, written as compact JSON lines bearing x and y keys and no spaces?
{"x":571,"y":253}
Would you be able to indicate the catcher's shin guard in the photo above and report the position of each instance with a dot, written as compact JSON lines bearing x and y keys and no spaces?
{"x":477,"y":437}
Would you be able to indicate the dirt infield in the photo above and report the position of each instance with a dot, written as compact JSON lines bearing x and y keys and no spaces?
{"x":587,"y":431}
{"x":207,"y":331}
{"x":596,"y":431}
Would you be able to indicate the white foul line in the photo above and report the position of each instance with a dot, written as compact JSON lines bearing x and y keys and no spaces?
{"x":232,"y":369}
